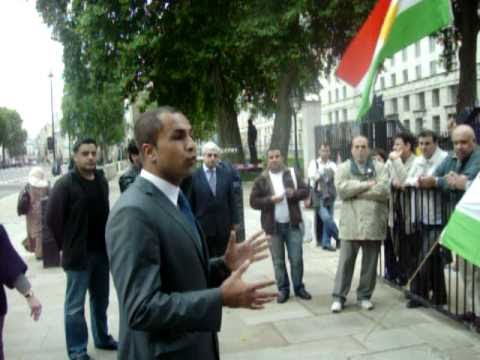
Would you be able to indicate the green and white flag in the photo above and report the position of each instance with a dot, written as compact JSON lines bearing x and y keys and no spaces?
{"x":462,"y":234}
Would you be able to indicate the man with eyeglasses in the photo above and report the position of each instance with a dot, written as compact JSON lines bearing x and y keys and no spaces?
{"x":213,"y":201}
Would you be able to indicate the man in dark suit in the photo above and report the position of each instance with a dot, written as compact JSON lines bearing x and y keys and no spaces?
{"x":170,"y":294}
{"x":213,"y":200}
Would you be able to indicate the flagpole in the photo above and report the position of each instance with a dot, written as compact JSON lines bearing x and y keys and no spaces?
{"x":430,"y":252}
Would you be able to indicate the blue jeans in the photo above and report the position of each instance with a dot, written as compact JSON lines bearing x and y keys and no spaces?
{"x":286,"y":235}
{"x":95,"y":279}
{"x":329,"y":227}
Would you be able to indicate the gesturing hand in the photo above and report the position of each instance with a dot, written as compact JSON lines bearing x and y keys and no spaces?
{"x":251,"y":250}
{"x":35,"y":307}
{"x":238,"y":294}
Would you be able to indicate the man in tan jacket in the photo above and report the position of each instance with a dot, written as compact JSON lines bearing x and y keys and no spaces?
{"x":362,"y":185}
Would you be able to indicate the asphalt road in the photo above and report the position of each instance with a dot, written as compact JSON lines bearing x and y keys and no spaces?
{"x":8,"y":189}
{"x":13,"y":179}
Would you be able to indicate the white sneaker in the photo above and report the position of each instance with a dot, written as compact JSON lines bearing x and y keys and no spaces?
{"x":366,"y":304}
{"x":336,"y":307}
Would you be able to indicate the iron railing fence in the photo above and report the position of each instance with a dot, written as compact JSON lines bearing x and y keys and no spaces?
{"x":439,"y":279}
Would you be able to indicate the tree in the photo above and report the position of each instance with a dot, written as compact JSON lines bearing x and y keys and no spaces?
{"x":209,"y":58}
{"x":294,"y":42}
{"x":98,"y":115}
{"x":12,"y":136}
{"x":91,"y":107}
{"x":463,"y":38}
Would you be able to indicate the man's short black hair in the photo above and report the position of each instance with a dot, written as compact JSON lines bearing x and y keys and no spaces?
{"x":407,"y":138}
{"x":149,"y":124}
{"x":82,"y":142}
{"x":380,"y":152}
{"x":132,"y":149}
{"x":429,"y":133}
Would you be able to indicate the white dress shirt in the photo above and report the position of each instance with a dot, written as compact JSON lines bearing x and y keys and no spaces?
{"x":282,"y":214}
{"x":317,"y":167}
{"x":207,"y":170}
{"x":425,"y":167}
{"x":427,"y":204}
{"x":171,"y":191}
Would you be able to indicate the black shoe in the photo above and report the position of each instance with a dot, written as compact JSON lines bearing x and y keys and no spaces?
{"x":82,"y":357}
{"x":112,"y":344}
{"x":328,"y":248}
{"x":401,"y":281}
{"x":303,"y":294}
{"x":467,"y":317}
{"x":412,"y":304}
{"x":282,"y":297}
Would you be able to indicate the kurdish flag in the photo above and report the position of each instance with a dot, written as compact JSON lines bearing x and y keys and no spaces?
{"x":390,"y":27}
{"x":462,"y":234}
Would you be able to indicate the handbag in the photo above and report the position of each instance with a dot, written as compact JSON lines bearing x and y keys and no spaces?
{"x":23,"y":203}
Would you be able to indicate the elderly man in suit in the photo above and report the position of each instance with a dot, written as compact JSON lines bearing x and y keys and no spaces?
{"x":170,"y":294}
{"x":212,"y":200}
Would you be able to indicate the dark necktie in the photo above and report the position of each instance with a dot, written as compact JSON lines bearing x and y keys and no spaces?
{"x":212,"y":181}
{"x":184,"y":207}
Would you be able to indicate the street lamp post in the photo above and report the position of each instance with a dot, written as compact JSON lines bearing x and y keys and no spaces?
{"x":53,"y":124}
{"x":297,"y":162}
{"x":293,"y":106}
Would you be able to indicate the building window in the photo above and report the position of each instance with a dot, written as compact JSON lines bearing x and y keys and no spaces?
{"x":336,"y":117}
{"x":435,"y":98}
{"x":406,"y":103}
{"x":405,"y":75}
{"x":329,"y":118}
{"x":394,"y":106}
{"x":431,"y":42}
{"x":336,"y":95}
{"x":404,"y":54}
{"x":421,"y":101}
{"x":329,"y":97}
{"x":344,"y":92}
{"x":394,"y":79}
{"x":436,"y":124}
{"x":433,"y":67}
{"x":417,"y":49}
{"x":418,"y":125}
{"x":345,"y":115}
{"x":406,"y":124}
{"x":392,"y":60}
{"x":382,"y":83}
{"x":418,"y":71}
{"x":453,"y":93}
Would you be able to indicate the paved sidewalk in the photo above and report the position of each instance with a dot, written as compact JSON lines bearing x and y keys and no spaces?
{"x":295,"y":330}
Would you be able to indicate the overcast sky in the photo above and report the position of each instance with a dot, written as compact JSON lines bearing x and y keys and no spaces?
{"x":28,"y":54}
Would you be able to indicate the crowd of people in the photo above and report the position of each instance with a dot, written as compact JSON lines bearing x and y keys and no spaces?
{"x":171,"y":243}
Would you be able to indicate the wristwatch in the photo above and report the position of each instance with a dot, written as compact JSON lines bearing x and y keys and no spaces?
{"x":28,"y":294}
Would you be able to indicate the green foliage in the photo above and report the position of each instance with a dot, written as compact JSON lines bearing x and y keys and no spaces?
{"x":208,"y":58}
{"x":12,"y":136}
{"x":96,"y":114}
{"x":92,"y":106}
{"x":461,"y":39}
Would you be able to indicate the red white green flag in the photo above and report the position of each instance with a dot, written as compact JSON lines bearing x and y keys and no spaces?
{"x":390,"y":27}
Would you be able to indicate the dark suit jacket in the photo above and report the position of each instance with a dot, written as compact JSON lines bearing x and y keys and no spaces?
{"x":163,"y":279}
{"x":216,"y":214}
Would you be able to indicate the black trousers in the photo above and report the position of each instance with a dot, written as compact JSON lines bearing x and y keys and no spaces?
{"x":252,"y":148}
{"x":392,"y":273}
{"x":216,"y":245}
{"x":431,"y":276}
